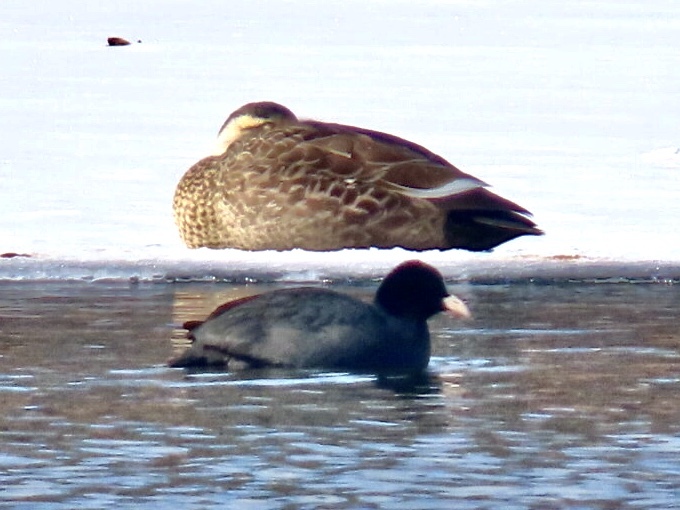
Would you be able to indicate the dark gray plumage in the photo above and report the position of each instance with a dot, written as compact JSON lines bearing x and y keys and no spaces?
{"x":313,"y":327}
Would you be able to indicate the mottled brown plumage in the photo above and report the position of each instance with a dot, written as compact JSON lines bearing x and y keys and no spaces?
{"x":278,"y":183}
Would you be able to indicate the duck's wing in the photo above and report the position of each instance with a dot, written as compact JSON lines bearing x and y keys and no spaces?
{"x":415,"y":172}
{"x":350,"y":154}
{"x":394,"y":164}
{"x":346,"y":158}
{"x":392,"y":160}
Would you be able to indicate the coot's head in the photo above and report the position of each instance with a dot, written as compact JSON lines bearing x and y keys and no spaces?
{"x":416,"y":290}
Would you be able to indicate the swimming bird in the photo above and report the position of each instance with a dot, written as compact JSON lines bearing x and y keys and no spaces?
{"x":277,"y":183}
{"x":316,"y":327}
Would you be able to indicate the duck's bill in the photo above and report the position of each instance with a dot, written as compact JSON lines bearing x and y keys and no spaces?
{"x":455,"y":307}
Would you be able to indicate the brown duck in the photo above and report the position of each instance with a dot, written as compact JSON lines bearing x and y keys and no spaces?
{"x":279,"y":183}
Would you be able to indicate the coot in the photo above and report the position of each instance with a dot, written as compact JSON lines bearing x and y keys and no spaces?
{"x":316,"y":327}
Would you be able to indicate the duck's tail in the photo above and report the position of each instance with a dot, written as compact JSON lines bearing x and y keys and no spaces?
{"x":480,"y":220}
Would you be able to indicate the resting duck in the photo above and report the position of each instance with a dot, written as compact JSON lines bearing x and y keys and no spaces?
{"x":316,"y":327}
{"x":278,"y":183}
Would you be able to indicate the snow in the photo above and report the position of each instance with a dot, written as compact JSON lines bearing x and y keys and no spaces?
{"x":568,"y":109}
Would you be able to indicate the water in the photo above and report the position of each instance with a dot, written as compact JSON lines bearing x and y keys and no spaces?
{"x":553,"y":396}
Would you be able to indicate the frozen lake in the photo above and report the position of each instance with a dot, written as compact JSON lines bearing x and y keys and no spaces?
{"x":556,"y":395}
{"x":570,"y":110}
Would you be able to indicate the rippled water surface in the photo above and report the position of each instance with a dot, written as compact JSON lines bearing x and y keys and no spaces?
{"x":552,"y":397}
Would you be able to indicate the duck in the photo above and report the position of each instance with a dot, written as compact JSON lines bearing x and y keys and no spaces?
{"x":314,"y":327}
{"x":278,"y":183}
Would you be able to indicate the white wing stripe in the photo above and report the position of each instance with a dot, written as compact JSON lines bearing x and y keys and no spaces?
{"x":455,"y":187}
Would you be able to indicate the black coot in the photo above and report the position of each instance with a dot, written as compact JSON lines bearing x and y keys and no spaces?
{"x":312,"y":327}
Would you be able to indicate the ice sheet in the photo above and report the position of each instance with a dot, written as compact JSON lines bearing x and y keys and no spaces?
{"x":569,"y":110}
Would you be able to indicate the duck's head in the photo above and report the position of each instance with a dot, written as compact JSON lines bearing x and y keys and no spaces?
{"x":250,"y":116}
